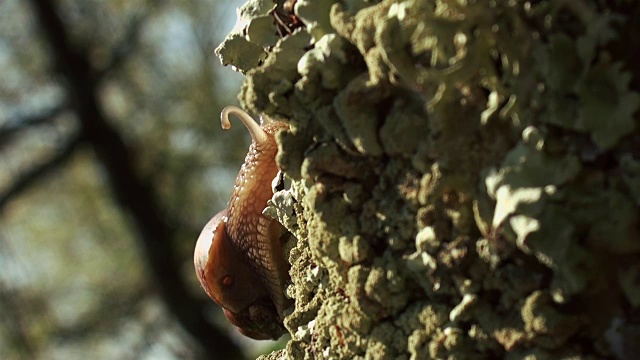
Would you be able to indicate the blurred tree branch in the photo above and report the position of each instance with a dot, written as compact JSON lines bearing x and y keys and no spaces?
{"x":17,"y":124}
{"x":16,"y":331}
{"x":40,"y":171}
{"x":118,"y":307}
{"x":129,"y":189}
{"x":18,"y":334}
{"x":128,"y":44}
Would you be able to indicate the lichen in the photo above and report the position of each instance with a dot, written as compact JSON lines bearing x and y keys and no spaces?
{"x":465,"y":177}
{"x":246,"y":46}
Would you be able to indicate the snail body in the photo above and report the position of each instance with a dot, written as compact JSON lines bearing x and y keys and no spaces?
{"x":238,"y":256}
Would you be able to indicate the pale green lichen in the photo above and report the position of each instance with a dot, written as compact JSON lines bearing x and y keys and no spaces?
{"x":315,"y":16}
{"x":462,"y":174}
{"x":246,"y":47}
{"x":324,"y":62}
{"x":607,"y":106}
{"x":584,"y":97}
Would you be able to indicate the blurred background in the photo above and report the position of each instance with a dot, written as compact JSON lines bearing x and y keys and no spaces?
{"x":111,"y":160}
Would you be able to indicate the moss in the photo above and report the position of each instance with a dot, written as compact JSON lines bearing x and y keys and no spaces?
{"x":464,"y":178}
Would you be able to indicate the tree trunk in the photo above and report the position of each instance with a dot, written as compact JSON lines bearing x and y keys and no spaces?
{"x":465,"y":174}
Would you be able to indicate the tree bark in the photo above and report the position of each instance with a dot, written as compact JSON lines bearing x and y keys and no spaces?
{"x":466,"y":175}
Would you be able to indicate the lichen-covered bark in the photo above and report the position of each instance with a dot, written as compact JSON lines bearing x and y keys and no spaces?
{"x":465,"y":174}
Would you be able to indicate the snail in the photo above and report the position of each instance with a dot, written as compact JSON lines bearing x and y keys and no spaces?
{"x":238,"y":256}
